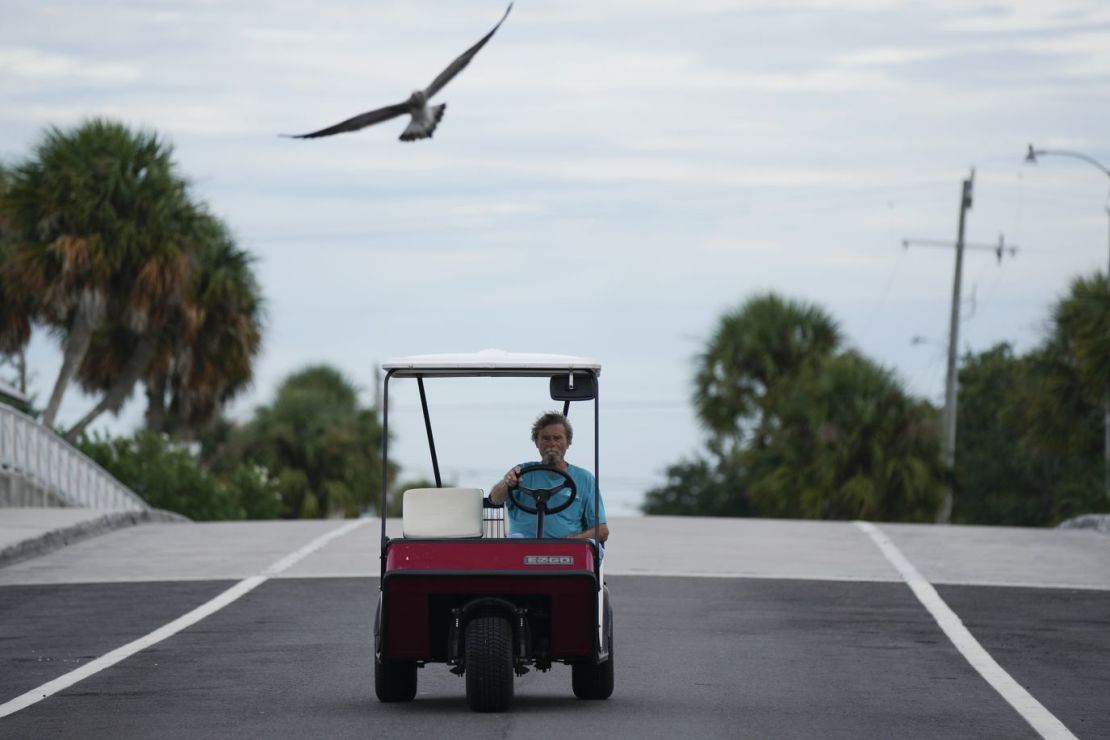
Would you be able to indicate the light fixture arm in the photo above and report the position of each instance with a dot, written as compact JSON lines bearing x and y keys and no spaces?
{"x":1032,"y":154}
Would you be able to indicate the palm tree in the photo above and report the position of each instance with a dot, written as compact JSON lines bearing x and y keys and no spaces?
{"x":217,"y":335}
{"x":137,"y":321}
{"x":16,"y":313}
{"x":753,"y":353}
{"x":848,"y":444}
{"x":194,"y":348}
{"x":97,"y":217}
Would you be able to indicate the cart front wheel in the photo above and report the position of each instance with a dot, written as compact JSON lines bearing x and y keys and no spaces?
{"x":489,"y":664}
{"x":591,"y":681}
{"x":595,"y":681}
{"x":395,"y":680}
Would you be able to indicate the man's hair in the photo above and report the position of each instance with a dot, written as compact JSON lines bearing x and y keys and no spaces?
{"x":546,"y":420}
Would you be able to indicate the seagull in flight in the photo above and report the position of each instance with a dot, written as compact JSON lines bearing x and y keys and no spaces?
{"x":425,"y":118}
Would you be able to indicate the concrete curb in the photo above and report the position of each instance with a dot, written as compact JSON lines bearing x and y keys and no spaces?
{"x":59,"y":538}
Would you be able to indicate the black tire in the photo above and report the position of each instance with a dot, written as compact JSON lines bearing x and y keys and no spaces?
{"x":395,"y":680}
{"x":591,"y":681}
{"x":489,"y":664}
{"x":595,"y":681}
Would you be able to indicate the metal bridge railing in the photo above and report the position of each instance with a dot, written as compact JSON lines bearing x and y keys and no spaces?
{"x":33,"y":455}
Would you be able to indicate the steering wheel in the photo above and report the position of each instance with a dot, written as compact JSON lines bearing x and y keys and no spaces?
{"x":541,"y":495}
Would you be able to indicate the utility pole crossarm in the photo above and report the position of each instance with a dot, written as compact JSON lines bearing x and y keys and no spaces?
{"x":999,"y":249}
{"x":907,"y":243}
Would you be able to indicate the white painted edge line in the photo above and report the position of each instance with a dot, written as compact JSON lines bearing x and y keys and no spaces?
{"x":1032,"y":711}
{"x":206,"y":609}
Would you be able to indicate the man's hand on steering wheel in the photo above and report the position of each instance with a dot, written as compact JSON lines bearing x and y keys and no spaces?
{"x":511,"y":479}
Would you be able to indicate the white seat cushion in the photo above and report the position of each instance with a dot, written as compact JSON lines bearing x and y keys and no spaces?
{"x":428,"y":513}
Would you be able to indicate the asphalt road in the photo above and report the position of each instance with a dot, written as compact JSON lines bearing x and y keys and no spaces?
{"x":700,"y":657}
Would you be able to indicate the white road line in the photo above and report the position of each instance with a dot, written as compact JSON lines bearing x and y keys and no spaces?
{"x":206,"y":609}
{"x":1031,"y":710}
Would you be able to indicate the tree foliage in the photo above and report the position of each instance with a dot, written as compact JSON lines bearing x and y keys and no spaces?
{"x":800,"y":427}
{"x":16,"y":311}
{"x":700,"y":486}
{"x":752,"y":357}
{"x":1030,"y":428}
{"x":105,"y":247}
{"x":850,"y":444}
{"x":202,"y":354}
{"x":1081,"y":333}
{"x":322,"y":449}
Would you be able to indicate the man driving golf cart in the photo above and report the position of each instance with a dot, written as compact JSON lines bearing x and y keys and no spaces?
{"x":454,"y":590}
{"x":552,"y":434}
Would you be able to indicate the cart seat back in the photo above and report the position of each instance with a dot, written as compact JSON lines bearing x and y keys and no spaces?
{"x":434,"y":513}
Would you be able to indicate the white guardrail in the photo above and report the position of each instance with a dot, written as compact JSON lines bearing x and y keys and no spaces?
{"x":31,"y":454}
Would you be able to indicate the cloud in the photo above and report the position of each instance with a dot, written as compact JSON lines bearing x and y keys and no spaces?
{"x":36,"y":65}
{"x":886,"y":56}
{"x":478,"y":210}
{"x":1025,"y":16}
{"x":1083,"y":54}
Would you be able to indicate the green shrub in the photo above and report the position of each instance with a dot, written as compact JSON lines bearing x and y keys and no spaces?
{"x":166,"y":475}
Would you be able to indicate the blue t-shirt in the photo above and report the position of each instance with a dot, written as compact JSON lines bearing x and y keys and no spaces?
{"x":578,"y":517}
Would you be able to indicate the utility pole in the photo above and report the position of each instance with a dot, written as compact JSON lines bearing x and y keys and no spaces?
{"x":952,"y":377}
{"x":951,"y":384}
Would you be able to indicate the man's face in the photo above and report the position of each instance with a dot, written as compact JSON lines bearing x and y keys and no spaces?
{"x":552,"y":444}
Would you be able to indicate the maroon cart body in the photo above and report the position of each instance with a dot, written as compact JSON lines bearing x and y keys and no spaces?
{"x":426,"y":583}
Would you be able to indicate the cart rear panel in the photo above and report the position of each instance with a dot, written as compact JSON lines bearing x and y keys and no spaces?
{"x":424,"y":580}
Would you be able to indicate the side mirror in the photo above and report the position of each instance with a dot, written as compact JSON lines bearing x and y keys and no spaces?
{"x":576,"y":387}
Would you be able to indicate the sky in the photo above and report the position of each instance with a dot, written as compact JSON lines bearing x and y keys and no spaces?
{"x":609,"y":179}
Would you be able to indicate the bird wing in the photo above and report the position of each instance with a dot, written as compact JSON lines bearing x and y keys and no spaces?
{"x":464,"y":59}
{"x":360,"y":121}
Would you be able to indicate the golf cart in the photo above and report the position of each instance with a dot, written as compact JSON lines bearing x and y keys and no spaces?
{"x":456,"y":590}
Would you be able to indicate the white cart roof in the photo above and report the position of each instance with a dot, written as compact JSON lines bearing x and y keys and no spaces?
{"x":488,"y":362}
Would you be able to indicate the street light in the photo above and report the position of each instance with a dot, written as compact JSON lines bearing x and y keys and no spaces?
{"x":1031,"y":158}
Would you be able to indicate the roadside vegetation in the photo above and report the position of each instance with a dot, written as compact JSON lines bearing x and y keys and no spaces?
{"x":318,"y":447}
{"x":311,"y":453}
{"x":1030,"y":427}
{"x":798,"y":425}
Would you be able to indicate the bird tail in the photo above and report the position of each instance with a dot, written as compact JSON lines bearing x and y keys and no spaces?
{"x":425,"y":126}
